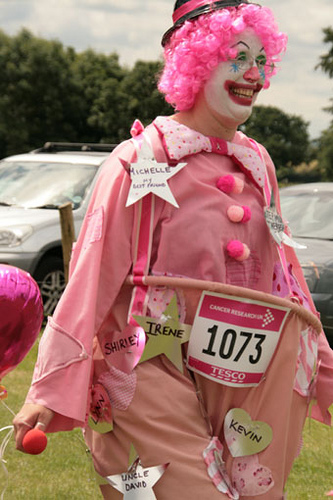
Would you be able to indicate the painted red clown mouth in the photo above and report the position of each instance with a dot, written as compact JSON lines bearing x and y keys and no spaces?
{"x":241,"y":93}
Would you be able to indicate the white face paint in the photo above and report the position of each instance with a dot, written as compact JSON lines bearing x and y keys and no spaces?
{"x":233,"y":87}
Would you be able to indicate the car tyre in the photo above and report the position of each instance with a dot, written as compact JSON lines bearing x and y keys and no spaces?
{"x":51,"y":281}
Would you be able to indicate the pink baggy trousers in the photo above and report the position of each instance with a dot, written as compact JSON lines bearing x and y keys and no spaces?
{"x":166,"y":423}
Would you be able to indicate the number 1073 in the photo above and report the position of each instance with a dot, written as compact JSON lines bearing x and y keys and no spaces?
{"x":249,"y":345}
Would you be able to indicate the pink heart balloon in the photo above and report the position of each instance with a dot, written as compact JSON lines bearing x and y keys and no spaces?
{"x":124,"y":349}
{"x":21,"y":316}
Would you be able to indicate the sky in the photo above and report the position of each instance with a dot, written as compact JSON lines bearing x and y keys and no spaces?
{"x":133,"y":29}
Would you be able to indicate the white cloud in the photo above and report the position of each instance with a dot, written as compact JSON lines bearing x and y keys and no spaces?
{"x":133,"y":28}
{"x":299,"y":88}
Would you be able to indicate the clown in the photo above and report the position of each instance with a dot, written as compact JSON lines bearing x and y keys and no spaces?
{"x":187,"y":331}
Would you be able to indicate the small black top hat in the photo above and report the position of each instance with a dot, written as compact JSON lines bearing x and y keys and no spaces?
{"x":189,"y":9}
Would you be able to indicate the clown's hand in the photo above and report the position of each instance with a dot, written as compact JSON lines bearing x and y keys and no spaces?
{"x":29,"y":417}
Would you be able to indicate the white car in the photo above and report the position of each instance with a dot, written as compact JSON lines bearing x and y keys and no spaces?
{"x":32,"y":188}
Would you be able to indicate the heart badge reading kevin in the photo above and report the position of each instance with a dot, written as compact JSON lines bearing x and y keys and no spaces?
{"x":244,"y":436}
{"x":124,"y":349}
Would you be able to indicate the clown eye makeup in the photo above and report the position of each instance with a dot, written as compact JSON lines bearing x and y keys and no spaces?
{"x":261,"y":61}
{"x":239,"y":63}
{"x":244,"y":61}
{"x":241,"y":56}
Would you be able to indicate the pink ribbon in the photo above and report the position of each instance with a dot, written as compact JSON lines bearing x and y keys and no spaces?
{"x":280,"y":249}
{"x":189,"y":7}
{"x":144,"y":220}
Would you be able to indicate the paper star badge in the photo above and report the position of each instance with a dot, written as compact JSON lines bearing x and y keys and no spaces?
{"x":148,"y":176}
{"x":165,"y":335}
{"x":276,"y":226}
{"x":137,"y":482}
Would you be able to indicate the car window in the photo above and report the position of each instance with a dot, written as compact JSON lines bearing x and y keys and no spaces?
{"x":37,"y":184}
{"x":309,"y":215}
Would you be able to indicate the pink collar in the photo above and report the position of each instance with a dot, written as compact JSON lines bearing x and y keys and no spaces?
{"x":180,"y":141}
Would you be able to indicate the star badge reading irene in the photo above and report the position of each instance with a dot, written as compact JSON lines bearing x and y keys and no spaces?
{"x":148,"y":176}
{"x":165,"y":335}
{"x":137,"y":483}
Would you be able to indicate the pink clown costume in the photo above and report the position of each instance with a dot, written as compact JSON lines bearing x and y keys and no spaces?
{"x":224,"y":429}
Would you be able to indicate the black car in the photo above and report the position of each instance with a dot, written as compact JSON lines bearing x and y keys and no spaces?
{"x":308,"y":208}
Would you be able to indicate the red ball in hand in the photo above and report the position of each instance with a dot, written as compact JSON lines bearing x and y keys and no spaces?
{"x":34,"y":441}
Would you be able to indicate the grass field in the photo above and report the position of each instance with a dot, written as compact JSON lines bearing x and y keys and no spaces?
{"x":64,"y":470}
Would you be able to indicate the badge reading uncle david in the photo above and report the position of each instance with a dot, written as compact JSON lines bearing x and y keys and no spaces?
{"x":148,"y":176}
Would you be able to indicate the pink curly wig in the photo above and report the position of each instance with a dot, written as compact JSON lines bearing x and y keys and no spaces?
{"x":198,"y":46}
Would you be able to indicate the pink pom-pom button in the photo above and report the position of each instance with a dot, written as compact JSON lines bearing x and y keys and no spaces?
{"x":239,"y":186}
{"x":236,"y":213}
{"x":247,"y":213}
{"x":238,"y":250}
{"x":230,"y":184}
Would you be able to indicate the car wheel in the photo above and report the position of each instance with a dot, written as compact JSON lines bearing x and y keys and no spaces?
{"x":51,"y":281}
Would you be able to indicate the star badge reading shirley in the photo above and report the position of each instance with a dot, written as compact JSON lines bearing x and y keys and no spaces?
{"x":165,"y":335}
{"x":149,"y":176}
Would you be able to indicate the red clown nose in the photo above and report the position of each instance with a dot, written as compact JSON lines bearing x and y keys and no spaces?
{"x":34,"y":442}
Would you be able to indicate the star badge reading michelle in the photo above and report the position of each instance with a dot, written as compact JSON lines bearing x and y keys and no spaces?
{"x":165,"y":335}
{"x":137,"y":483}
{"x":148,"y":176}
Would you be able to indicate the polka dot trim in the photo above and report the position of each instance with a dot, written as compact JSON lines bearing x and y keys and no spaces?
{"x":250,"y":160}
{"x":180,"y":141}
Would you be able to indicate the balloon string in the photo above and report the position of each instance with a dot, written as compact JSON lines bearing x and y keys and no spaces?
{"x":9,"y":409}
{"x":3,"y":446}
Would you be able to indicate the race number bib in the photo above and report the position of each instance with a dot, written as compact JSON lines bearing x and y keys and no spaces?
{"x":233,"y":339}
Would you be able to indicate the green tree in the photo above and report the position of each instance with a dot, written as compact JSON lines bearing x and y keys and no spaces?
{"x":38,"y":97}
{"x":137,"y":97}
{"x":144,"y":100}
{"x":285,"y":136}
{"x":326,"y":60}
{"x":325,"y":146}
{"x":51,"y":93}
{"x":325,"y":154}
{"x":99,"y":78}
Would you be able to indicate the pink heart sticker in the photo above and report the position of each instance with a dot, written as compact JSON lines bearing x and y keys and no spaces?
{"x":100,"y":410}
{"x":249,"y":477}
{"x":124,"y":349}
